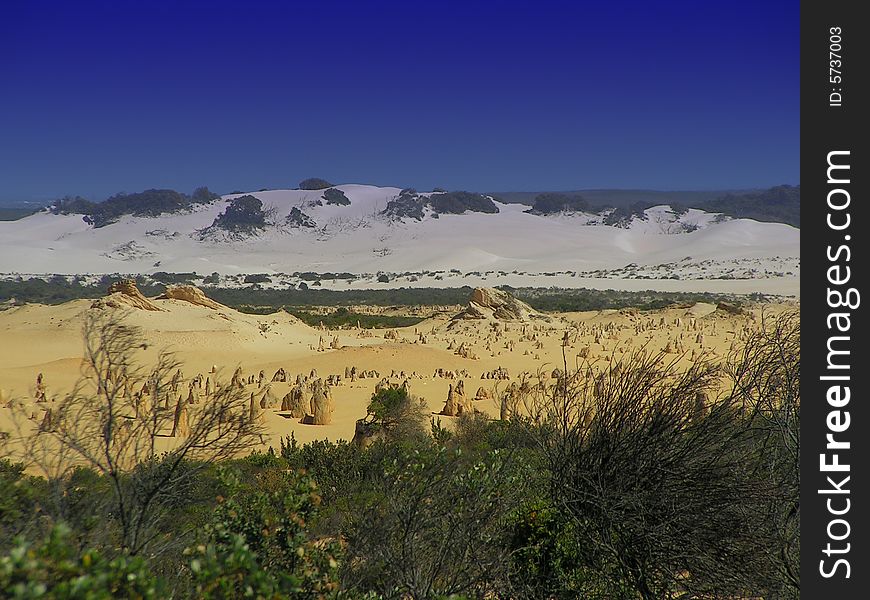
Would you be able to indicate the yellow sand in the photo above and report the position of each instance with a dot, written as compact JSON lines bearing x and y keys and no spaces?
{"x":47,"y":339}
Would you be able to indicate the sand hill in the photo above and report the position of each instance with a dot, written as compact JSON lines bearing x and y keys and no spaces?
{"x":306,"y":232}
{"x":489,"y":356}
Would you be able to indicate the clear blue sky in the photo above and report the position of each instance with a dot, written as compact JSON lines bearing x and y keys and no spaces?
{"x":101,"y":97}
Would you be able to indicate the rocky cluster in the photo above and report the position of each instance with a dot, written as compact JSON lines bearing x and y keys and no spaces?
{"x":125,"y":294}
{"x":190,"y":294}
{"x":491,"y":303}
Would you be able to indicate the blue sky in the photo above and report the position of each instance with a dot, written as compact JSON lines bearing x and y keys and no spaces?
{"x":101,"y":97}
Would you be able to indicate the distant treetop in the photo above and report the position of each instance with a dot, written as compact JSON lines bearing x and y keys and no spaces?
{"x":314,"y":183}
{"x":549,"y":203}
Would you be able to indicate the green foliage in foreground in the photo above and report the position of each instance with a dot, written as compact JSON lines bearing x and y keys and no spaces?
{"x":258,"y":544}
{"x":54,"y":569}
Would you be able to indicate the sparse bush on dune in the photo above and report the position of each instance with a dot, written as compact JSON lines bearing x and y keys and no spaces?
{"x":149,"y":203}
{"x":459,"y":202}
{"x":244,"y":214}
{"x":550,"y":203}
{"x":202,"y":195}
{"x":336,"y":196}
{"x":75,"y":205}
{"x":314,"y":183}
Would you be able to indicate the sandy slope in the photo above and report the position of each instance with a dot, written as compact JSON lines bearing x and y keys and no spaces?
{"x":47,"y":339}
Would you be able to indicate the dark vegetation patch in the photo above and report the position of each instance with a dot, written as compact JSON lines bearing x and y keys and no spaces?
{"x":13,"y":214}
{"x":297,"y":218}
{"x":460,"y":202}
{"x":252,"y":299}
{"x":410,"y":204}
{"x":781,"y":204}
{"x":314,"y":183}
{"x":550,"y":203}
{"x":342,"y":317}
{"x":162,"y":277}
{"x":150,"y":203}
{"x":623,"y":215}
{"x":336,"y":196}
{"x":244,"y":214}
{"x":407,"y":205}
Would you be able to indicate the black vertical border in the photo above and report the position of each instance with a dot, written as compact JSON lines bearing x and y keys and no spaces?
{"x":826,"y":128}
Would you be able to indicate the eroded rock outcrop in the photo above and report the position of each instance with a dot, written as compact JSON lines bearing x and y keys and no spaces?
{"x":322,"y":406}
{"x":490,"y":303}
{"x":191,"y":294}
{"x":125,"y":294}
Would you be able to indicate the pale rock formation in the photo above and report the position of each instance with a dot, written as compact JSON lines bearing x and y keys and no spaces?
{"x":255,"y":413}
{"x":125,"y":294}
{"x":321,"y":406}
{"x":451,"y":405}
{"x":180,"y":425}
{"x":193,"y":396}
{"x":40,"y":388}
{"x":268,"y":399}
{"x":490,"y":303}
{"x":295,"y":402}
{"x":190,"y":294}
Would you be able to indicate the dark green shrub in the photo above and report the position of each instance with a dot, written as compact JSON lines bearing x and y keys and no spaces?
{"x":259,"y":545}
{"x":550,"y":203}
{"x":335,"y":196}
{"x":314,"y":183}
{"x":244,"y":214}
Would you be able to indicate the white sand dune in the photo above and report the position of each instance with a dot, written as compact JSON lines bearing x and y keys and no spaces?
{"x":358,"y":239}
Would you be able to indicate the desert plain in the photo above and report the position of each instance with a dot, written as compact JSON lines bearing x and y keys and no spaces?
{"x":477,"y":350}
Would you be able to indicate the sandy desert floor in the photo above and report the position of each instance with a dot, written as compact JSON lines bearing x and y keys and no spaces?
{"x":48,"y":339}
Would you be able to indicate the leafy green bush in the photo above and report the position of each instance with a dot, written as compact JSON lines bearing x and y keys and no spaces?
{"x":53,"y":569}
{"x":547,"y":557}
{"x":433,"y":525}
{"x":20,"y":499}
{"x":259,"y":544}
